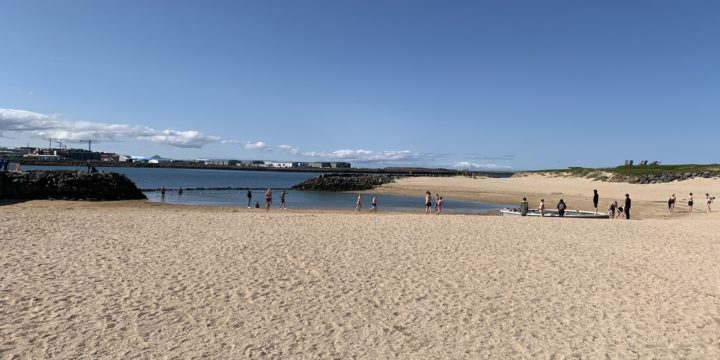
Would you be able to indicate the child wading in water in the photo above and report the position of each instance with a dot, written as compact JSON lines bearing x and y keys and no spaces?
{"x":374,"y":204}
{"x":358,"y":204}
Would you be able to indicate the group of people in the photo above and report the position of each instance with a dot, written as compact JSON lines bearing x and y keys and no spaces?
{"x":690,"y":202}
{"x":359,"y":202}
{"x":268,"y":200}
{"x":428,"y":203}
{"x":614,"y":210}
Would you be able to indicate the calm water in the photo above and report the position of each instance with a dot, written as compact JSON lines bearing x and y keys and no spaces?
{"x":171,"y":179}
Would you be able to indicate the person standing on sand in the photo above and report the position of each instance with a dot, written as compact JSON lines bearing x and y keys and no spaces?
{"x":438,"y":206}
{"x":524,"y":207}
{"x":596,"y":199}
{"x":358,"y":203}
{"x":708,"y":200}
{"x":428,"y":202}
{"x":690,"y":202}
{"x":541,"y":207}
{"x":628,"y":203}
{"x":268,"y":199}
{"x":249,"y":196}
{"x":282,"y":200}
{"x":672,"y":209}
{"x":561,"y":206}
{"x":373,"y":206}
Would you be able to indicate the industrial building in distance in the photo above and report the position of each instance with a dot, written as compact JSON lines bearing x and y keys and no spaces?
{"x":33,"y":154}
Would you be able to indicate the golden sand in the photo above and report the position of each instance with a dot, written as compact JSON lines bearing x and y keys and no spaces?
{"x":139,"y":280}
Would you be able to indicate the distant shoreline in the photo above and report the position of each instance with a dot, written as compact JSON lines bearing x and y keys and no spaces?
{"x":406,"y":171}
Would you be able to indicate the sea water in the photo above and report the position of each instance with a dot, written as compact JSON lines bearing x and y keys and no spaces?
{"x":174,"y":178}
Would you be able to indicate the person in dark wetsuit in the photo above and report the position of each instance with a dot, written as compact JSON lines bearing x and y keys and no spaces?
{"x":596,"y":199}
{"x":249,"y":196}
{"x":628,"y":203}
{"x":561,"y":206}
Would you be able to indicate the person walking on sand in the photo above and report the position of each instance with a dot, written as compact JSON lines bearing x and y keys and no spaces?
{"x":670,"y":204}
{"x":628,"y":204}
{"x":672,"y":209}
{"x":690,"y":202}
{"x":373,"y":206}
{"x":708,"y":201}
{"x":249,"y":196}
{"x":268,"y":199}
{"x":524,"y":207}
{"x":561,"y":206}
{"x":541,"y":207}
{"x":358,"y":203}
{"x":428,"y":202}
{"x":596,"y":199}
{"x":282,"y":200}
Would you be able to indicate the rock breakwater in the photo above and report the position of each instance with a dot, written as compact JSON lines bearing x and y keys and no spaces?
{"x":344,"y":182}
{"x":67,"y":185}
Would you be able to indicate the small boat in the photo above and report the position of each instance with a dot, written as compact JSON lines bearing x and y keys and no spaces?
{"x":577,"y":214}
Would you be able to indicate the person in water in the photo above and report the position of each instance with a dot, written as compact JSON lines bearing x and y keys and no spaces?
{"x":438,"y":206}
{"x":373,"y":206}
{"x":249,"y":196}
{"x":282,"y":200}
{"x":358,"y":203}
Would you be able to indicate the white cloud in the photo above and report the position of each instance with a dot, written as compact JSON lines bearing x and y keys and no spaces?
{"x":259,"y":145}
{"x":289,"y":149}
{"x":45,"y":126}
{"x":472,"y":165}
{"x":365,"y":155}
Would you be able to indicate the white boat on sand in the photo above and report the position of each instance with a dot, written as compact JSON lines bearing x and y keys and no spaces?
{"x":578,"y":214}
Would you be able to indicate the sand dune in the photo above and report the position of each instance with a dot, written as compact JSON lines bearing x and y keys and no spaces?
{"x":131,"y":279}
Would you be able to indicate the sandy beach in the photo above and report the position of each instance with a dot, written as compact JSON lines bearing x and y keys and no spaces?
{"x":649,"y":201}
{"x":83,"y":280}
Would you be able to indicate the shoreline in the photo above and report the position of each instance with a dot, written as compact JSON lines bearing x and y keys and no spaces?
{"x":649,"y":200}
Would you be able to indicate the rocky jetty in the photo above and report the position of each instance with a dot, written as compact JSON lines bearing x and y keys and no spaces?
{"x":666,"y":177}
{"x":344,"y":182}
{"x":67,"y":185}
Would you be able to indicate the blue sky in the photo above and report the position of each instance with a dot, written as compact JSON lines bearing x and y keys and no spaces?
{"x":467,"y":84}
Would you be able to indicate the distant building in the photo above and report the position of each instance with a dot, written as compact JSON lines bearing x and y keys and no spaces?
{"x":278,"y":164}
{"x":42,"y":156}
{"x":10,"y":153}
{"x":80,"y":154}
{"x":109,"y":157}
{"x":221,"y":162}
{"x":325,"y":165}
